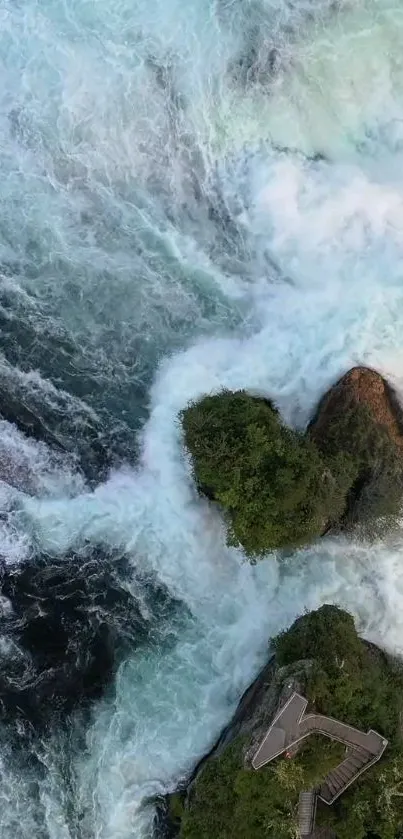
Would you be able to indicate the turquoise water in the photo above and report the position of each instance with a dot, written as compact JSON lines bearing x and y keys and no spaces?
{"x":192,"y":197}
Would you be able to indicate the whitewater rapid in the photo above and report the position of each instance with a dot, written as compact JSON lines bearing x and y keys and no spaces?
{"x":178,"y":215}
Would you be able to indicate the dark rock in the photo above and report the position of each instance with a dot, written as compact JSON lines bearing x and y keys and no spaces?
{"x":165,"y":826}
{"x":254,"y":709}
{"x":279,"y":679}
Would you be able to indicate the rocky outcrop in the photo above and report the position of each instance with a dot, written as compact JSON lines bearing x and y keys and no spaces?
{"x":365,"y":387}
{"x":358,"y":427}
{"x":322,"y":657}
{"x":271,"y":689}
{"x":278,"y":488}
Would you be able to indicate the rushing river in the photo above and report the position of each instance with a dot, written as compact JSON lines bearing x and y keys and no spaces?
{"x":193,"y":195}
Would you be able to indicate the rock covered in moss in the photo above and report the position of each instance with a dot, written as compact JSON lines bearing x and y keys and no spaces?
{"x":279,"y":488}
{"x":358,"y":427}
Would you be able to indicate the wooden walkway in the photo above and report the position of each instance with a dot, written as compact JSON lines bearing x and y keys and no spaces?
{"x":291,"y":725}
{"x":306,"y":813}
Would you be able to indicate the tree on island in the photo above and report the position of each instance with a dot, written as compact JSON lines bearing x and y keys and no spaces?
{"x":275,"y":487}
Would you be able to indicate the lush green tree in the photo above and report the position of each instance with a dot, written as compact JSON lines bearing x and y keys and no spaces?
{"x":272,"y":482}
{"x":231,"y":802}
{"x":373,"y":807}
{"x":327,"y":635}
{"x":280,"y":488}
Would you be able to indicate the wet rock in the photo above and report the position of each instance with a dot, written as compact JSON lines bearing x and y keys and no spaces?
{"x":272,"y":688}
{"x":321,"y":657}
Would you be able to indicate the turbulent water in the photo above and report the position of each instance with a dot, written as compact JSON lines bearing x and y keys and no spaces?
{"x":193,"y":195}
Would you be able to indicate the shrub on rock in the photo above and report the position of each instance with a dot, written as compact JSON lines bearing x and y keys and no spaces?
{"x":321,"y":655}
{"x":350,"y":680}
{"x":272,"y":482}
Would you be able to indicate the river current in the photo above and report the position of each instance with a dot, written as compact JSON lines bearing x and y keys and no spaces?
{"x":193,"y":196}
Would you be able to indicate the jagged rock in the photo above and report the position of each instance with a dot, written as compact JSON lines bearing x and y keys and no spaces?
{"x":270,"y":690}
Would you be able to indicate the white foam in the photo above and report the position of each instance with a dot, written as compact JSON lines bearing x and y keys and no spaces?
{"x":335,"y":231}
{"x":310,"y":334}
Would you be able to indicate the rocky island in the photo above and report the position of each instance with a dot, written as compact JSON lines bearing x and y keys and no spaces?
{"x":280,"y":488}
{"x":322,"y":657}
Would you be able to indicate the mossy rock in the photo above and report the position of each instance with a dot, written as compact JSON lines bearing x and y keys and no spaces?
{"x":350,"y":679}
{"x":274,"y":485}
{"x":279,"y":488}
{"x":358,"y":429}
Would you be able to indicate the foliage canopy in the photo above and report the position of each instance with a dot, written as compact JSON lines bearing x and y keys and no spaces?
{"x":280,"y":488}
{"x":230,"y":802}
{"x":272,"y":481}
{"x":349,"y":680}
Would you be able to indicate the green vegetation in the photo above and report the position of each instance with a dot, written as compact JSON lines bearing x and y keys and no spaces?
{"x":280,"y":488}
{"x":373,"y":807}
{"x":347,"y":679}
{"x":271,"y":481}
{"x":230,"y":802}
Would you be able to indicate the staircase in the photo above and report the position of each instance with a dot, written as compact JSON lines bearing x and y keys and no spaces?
{"x":306,"y":813}
{"x":340,"y":778}
{"x":292,"y":725}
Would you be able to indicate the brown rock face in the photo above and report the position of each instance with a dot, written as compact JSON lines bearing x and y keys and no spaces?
{"x":363,"y":386}
{"x":358,"y":427}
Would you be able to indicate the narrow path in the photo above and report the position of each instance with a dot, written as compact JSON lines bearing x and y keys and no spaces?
{"x":371,"y":742}
{"x":290,"y":726}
